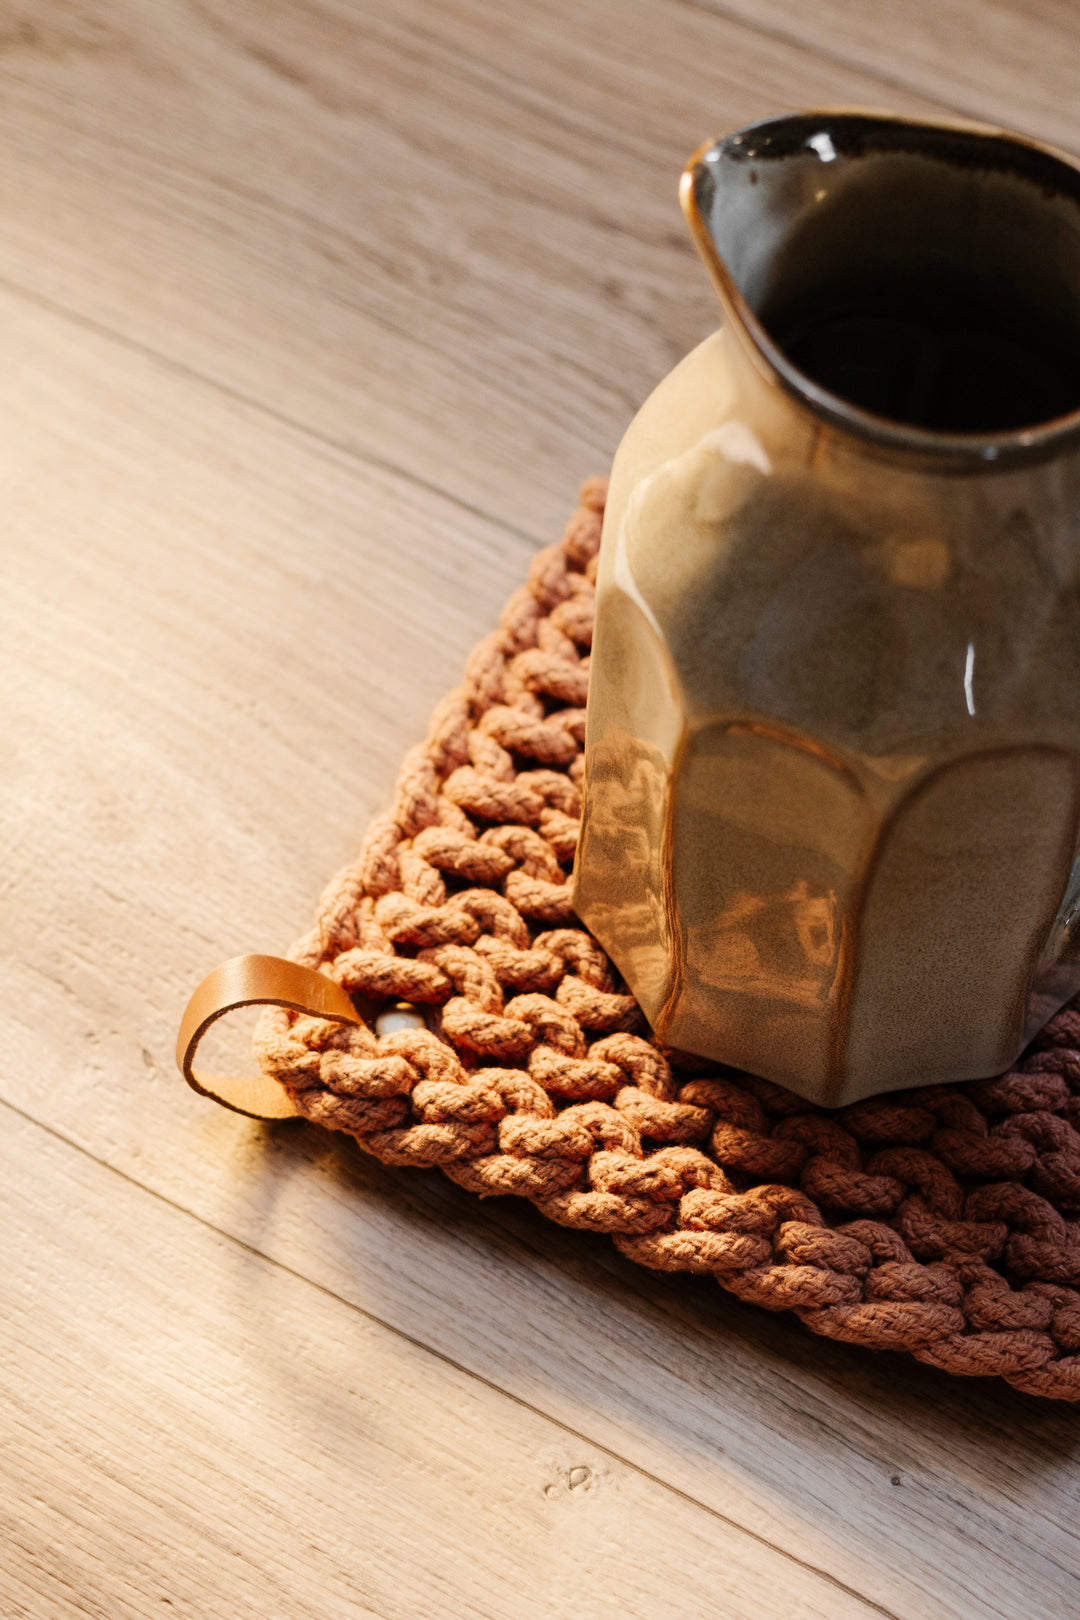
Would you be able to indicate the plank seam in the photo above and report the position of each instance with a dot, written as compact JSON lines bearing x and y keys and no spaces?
{"x":449,"y":1361}
{"x":321,"y":441}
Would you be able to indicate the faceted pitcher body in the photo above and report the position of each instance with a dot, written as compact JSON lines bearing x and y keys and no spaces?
{"x":833,"y":755}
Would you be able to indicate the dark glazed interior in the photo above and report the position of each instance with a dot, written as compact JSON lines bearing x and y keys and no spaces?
{"x":925,"y":274}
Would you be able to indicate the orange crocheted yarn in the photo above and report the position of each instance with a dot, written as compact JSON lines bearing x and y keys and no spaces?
{"x":938,"y":1221}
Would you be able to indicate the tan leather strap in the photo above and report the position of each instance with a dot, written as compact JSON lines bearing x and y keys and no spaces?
{"x":255,"y":981}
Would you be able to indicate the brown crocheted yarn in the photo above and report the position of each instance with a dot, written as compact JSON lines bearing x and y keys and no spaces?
{"x":939,"y":1221}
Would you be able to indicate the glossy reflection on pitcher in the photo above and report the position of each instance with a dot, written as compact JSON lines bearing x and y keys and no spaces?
{"x":833,"y":755}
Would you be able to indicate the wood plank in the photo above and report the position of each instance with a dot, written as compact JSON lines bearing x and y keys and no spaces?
{"x":441,"y":234}
{"x":221,"y":631}
{"x":217,"y":633}
{"x":1003,"y":61}
{"x":219,"y":636}
{"x":192,"y":1430}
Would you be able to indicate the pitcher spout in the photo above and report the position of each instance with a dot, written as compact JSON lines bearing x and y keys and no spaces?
{"x":911,"y":283}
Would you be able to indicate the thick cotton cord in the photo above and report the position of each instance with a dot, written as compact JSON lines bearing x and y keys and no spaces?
{"x":939,"y":1221}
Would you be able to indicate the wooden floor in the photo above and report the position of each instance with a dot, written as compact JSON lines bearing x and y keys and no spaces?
{"x":315,"y":312}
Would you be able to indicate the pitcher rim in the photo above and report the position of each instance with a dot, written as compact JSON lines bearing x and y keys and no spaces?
{"x":972,"y":451}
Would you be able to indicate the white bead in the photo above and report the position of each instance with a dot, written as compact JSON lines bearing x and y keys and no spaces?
{"x":397,"y":1018}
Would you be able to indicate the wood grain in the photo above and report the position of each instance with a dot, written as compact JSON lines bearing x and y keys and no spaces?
{"x":1017,"y":65}
{"x":204,"y":703}
{"x":442,"y":236}
{"x":192,"y":1430}
{"x":313,"y":315}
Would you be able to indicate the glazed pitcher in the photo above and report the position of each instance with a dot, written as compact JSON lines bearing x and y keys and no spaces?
{"x":833,"y":753}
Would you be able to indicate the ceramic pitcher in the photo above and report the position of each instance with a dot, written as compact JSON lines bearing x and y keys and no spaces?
{"x":833,"y":752}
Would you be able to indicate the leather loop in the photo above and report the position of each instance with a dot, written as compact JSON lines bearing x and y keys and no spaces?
{"x":255,"y":981}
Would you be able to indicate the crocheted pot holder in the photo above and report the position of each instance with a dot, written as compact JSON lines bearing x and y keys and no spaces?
{"x":938,"y":1221}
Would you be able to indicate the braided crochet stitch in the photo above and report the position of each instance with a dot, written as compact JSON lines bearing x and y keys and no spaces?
{"x":941,"y":1221}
